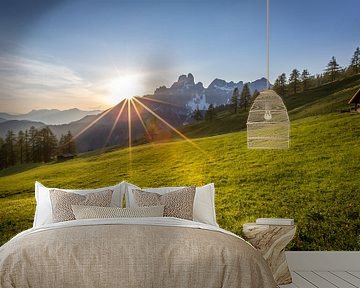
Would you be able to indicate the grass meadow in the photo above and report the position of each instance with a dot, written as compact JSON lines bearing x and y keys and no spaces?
{"x":315,"y":182}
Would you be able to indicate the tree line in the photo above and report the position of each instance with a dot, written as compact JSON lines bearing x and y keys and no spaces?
{"x":33,"y":146}
{"x":296,"y":82}
{"x":301,"y":81}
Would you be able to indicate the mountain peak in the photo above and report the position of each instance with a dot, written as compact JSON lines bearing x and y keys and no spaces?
{"x":184,"y":80}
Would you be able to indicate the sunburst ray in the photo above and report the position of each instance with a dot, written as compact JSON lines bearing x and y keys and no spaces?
{"x":171,"y":127}
{"x":115,"y":122}
{"x":140,"y":118}
{"x":129,"y":132}
{"x":93,"y":123}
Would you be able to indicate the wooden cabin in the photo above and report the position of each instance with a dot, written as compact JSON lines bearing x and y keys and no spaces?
{"x":355,"y":100}
{"x":65,"y":156}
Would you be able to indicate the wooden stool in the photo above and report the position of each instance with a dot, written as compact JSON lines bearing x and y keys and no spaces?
{"x":271,"y":240}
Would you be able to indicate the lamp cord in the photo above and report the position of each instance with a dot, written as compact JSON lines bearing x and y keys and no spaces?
{"x":267,"y":44}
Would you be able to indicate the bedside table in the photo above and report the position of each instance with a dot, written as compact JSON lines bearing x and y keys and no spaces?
{"x":271,"y":240}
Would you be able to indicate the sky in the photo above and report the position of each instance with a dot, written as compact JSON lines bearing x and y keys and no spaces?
{"x":91,"y":54}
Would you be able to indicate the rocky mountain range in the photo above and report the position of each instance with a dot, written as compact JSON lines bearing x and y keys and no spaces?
{"x":186,"y":93}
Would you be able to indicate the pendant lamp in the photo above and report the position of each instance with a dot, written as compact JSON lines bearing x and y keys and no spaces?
{"x":268,"y":125}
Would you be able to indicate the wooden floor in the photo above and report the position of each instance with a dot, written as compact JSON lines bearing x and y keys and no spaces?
{"x":324,"y":269}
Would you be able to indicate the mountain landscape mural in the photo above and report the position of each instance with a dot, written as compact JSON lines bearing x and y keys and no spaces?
{"x":148,"y":143}
{"x":175,"y":104}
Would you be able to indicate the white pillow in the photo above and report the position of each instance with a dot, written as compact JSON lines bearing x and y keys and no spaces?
{"x":43,"y":212}
{"x":204,"y":202}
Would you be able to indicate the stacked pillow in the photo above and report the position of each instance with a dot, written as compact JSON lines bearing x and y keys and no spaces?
{"x":44,"y":207}
{"x":177,"y":203}
{"x":203,"y":205}
{"x":191,"y":203}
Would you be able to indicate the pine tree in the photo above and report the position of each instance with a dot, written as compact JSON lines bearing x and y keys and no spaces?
{"x":210,"y":113}
{"x":235,"y":99}
{"x":48,"y":145}
{"x":70,"y":143}
{"x":355,"y":61}
{"x":305,"y":75}
{"x":255,"y":94}
{"x":294,"y":79}
{"x":33,"y":143}
{"x":61,"y":147}
{"x":67,"y":144}
{"x":245,"y":97}
{"x":10,"y":148}
{"x":280,"y":85}
{"x":197,"y":114}
{"x":20,"y":146}
{"x":333,"y":68}
{"x":3,"y":155}
{"x":27,"y":147}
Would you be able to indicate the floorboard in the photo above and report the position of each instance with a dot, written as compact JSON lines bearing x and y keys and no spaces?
{"x":301,"y":281}
{"x":347,"y":277}
{"x":338,"y":282}
{"x":335,"y":269}
{"x":316,"y":280}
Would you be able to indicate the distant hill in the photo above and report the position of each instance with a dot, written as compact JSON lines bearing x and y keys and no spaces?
{"x":17,"y":125}
{"x":51,"y":116}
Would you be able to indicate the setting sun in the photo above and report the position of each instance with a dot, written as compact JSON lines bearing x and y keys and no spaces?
{"x":124,"y":87}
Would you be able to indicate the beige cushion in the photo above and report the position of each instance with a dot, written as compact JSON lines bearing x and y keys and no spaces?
{"x":61,"y":202}
{"x":178,"y":203}
{"x":93,"y":212}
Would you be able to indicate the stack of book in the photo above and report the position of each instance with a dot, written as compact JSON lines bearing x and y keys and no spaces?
{"x":275,"y":221}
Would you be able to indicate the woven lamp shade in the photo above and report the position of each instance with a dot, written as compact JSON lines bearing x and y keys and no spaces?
{"x":268,"y":125}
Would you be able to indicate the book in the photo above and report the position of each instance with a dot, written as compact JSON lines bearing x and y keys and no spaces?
{"x":275,"y":221}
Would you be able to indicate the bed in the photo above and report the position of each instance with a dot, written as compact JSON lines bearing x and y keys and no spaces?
{"x":131,"y":252}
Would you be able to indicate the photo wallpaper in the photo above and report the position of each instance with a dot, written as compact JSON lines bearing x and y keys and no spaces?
{"x":158,"y":93}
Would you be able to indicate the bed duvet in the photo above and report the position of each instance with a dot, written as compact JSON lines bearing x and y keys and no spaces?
{"x":142,"y":252}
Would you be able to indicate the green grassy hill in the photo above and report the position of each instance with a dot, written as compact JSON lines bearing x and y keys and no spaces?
{"x":328,"y":98}
{"x":316,"y":181}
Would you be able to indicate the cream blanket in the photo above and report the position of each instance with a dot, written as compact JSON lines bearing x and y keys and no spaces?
{"x":137,"y":252}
